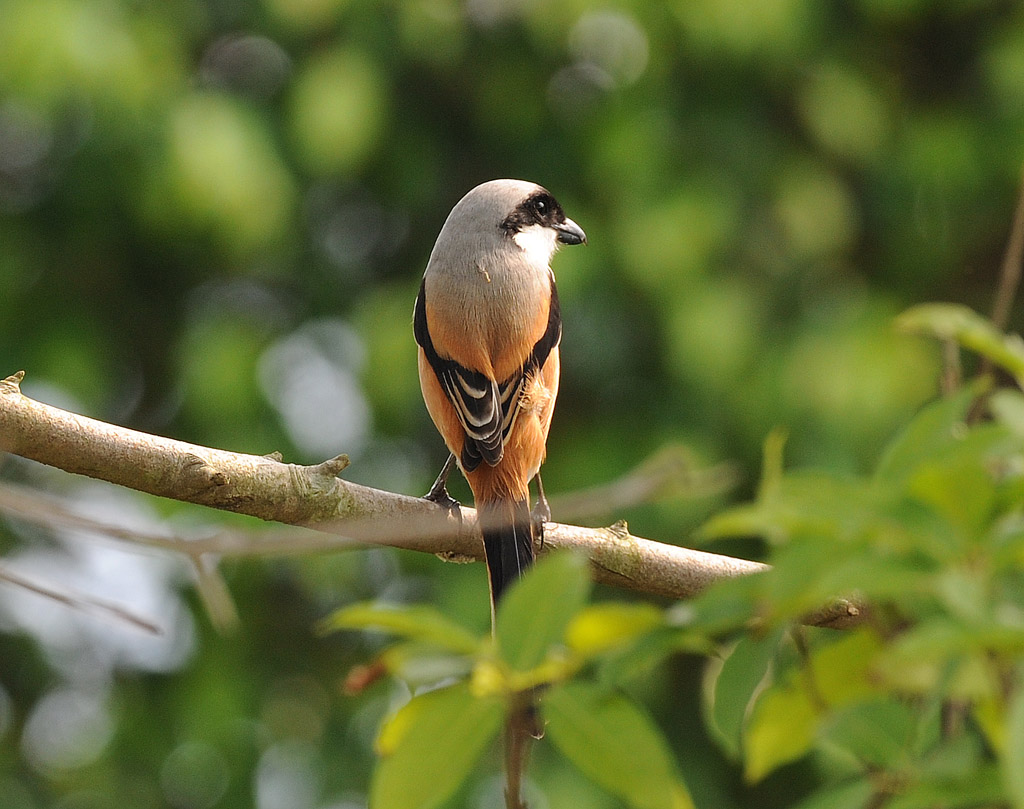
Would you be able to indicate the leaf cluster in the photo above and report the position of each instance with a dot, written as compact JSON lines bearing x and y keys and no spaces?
{"x":547,"y":640}
{"x":921,"y":705}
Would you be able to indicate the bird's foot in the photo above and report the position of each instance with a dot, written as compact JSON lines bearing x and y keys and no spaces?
{"x":440,"y":496}
{"x":541,"y":514}
{"x":541,"y":511}
{"x":439,"y":491}
{"x":538,"y":517}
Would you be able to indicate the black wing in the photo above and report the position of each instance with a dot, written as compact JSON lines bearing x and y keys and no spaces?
{"x":486,"y":409}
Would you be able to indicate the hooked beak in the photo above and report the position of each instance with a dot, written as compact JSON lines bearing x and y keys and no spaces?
{"x":570,"y":233}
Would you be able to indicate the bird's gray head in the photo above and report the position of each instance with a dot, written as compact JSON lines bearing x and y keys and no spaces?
{"x":522,"y":212}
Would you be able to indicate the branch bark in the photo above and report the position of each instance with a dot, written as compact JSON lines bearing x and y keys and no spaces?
{"x":314,"y":497}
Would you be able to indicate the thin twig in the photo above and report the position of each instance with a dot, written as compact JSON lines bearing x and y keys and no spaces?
{"x":517,"y":750}
{"x":39,"y":508}
{"x":1006,"y":292}
{"x":79,"y":601}
{"x":799,"y":636}
{"x":1009,"y":276}
{"x":670,"y":472}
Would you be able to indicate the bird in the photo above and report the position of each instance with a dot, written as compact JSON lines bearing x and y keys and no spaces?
{"x":488,"y":325}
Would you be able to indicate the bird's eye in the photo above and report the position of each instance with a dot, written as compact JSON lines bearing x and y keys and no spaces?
{"x":541,"y":206}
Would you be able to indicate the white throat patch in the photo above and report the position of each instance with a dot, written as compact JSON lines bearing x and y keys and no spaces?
{"x":538,"y":242}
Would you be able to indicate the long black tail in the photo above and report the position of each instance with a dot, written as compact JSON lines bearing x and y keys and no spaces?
{"x":507,"y":526}
{"x":508,"y":542}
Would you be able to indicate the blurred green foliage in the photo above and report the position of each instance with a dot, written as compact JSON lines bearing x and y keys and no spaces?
{"x":919,"y":706}
{"x":213,"y":219}
{"x":916,"y":706}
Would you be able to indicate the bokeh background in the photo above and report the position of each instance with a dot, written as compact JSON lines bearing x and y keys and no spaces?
{"x":213,"y":221}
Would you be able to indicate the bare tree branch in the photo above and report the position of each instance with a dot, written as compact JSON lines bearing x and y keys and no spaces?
{"x":314,"y":497}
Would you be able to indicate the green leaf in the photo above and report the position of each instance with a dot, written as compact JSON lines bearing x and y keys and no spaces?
{"x":418,"y":622}
{"x":726,"y":606}
{"x":781,"y":729}
{"x":852,"y":795}
{"x":740,"y":522}
{"x":1007,"y":407}
{"x":647,"y":651}
{"x":732,"y":685}
{"x":877,"y":733}
{"x":936,"y":427}
{"x":941,"y":638}
{"x":801,"y":503}
{"x":536,"y":611}
{"x":948,"y":321}
{"x":991,"y":717}
{"x":422,"y":664}
{"x":875,"y":576}
{"x":612,"y":741}
{"x":953,"y":759}
{"x":430,"y":746}
{"x":599,"y":628}
{"x":959,"y":483}
{"x":981,"y":787}
{"x":791,"y":586}
{"x":1013,"y":755}
{"x":843,"y":671}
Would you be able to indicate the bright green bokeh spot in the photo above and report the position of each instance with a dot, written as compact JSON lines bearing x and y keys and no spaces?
{"x":816,"y":211}
{"x":222,"y":175}
{"x":338,"y":111}
{"x":1013,"y":753}
{"x":844,"y":112}
{"x":391,"y":381}
{"x":665,"y":244}
{"x":306,"y":16}
{"x":53,"y":50}
{"x":73,"y":358}
{"x":741,"y":29}
{"x":833,"y":370}
{"x":1004,"y":69}
{"x":714,"y":331}
{"x":843,"y":670}
{"x":433,"y":31}
{"x":218,"y":372}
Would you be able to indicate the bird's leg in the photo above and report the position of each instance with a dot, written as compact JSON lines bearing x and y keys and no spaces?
{"x":439,"y":491}
{"x":541,"y":513}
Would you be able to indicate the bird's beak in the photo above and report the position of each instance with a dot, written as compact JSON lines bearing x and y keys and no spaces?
{"x":570,"y":233}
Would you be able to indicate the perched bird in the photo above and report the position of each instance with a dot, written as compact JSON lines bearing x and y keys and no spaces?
{"x":488,"y":326}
